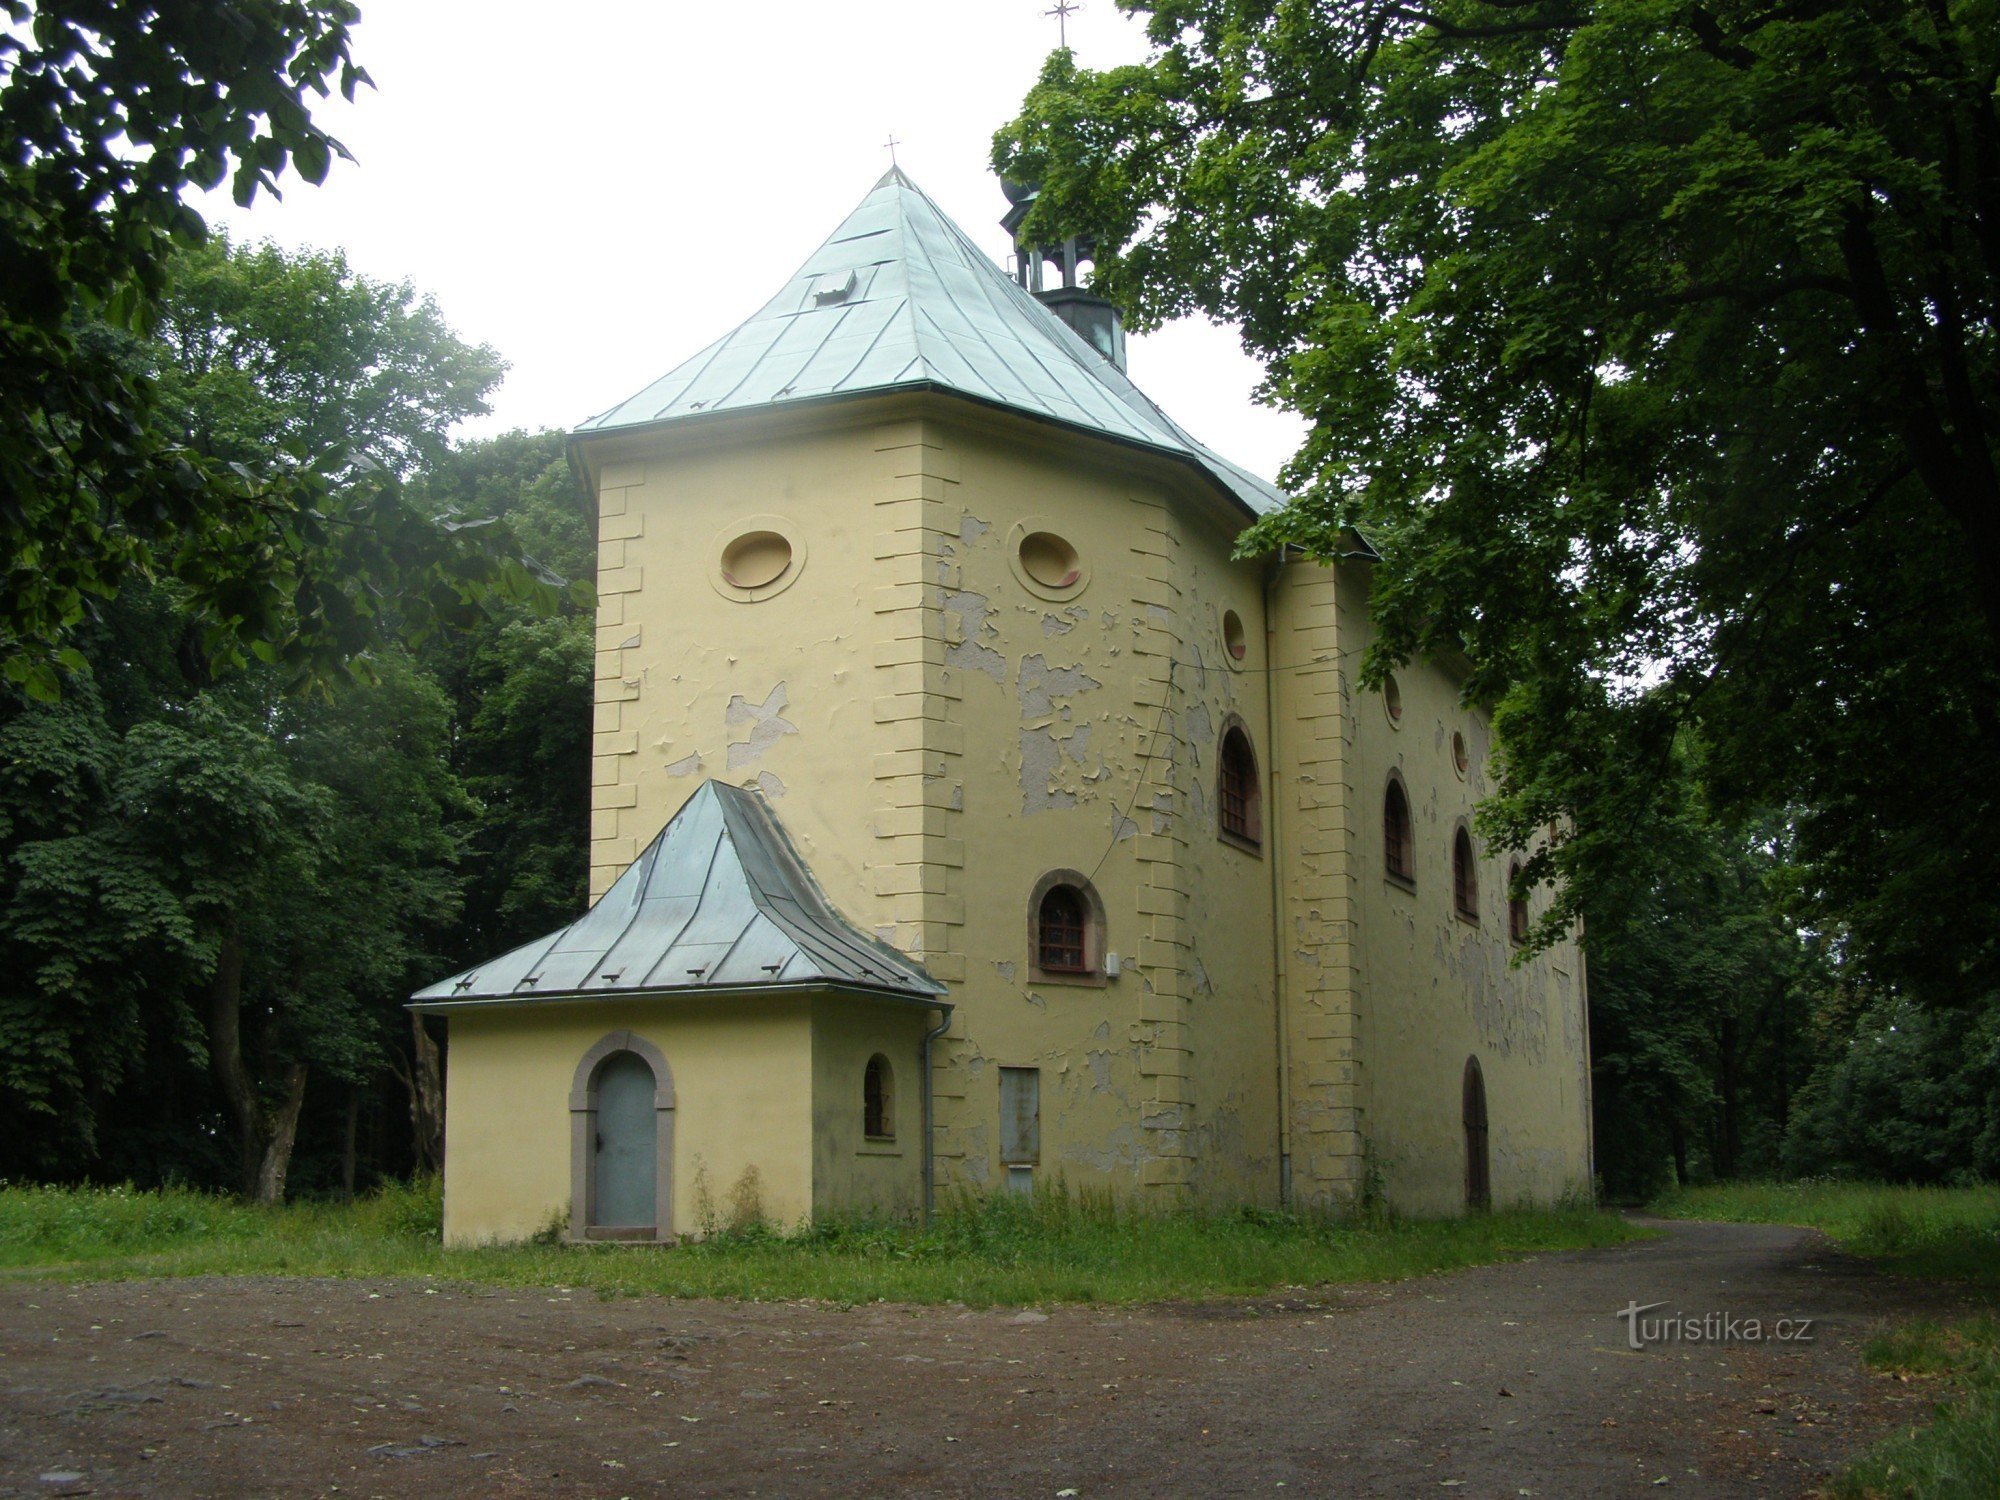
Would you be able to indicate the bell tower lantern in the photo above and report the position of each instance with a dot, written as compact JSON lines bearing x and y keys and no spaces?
{"x":1053,"y":272}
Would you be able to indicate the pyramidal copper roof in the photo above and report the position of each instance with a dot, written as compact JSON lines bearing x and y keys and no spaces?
{"x":898,"y":298}
{"x":720,"y":901}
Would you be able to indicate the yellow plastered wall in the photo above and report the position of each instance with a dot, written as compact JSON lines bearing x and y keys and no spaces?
{"x":1081,"y":724}
{"x":850,"y":1171}
{"x":743,"y":1078}
{"x":937,"y":732}
{"x":1403,"y":990}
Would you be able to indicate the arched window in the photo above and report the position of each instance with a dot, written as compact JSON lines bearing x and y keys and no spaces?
{"x":1242,"y":810}
{"x":1464,"y":877}
{"x":878,"y":1100}
{"x":1517,"y":906}
{"x":1399,"y":844}
{"x":1065,"y":930}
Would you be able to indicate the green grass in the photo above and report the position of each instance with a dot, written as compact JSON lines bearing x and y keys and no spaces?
{"x":1950,"y":1234}
{"x":1958,"y":1454}
{"x":977,"y":1251}
{"x":1940,"y":1234}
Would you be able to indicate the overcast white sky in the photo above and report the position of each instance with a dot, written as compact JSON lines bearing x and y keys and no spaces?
{"x":601,"y":188}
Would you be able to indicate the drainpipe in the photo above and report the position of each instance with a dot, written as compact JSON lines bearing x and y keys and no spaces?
{"x":930,"y":1183}
{"x":1278,"y":857}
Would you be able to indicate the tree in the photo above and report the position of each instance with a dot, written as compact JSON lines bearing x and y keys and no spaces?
{"x":1657,"y":343}
{"x":108,"y":112}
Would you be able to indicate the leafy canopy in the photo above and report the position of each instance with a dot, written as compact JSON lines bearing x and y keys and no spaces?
{"x":1660,"y":344}
{"x":109,"y":112}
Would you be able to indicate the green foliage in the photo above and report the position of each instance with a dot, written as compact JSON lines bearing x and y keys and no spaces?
{"x":1959,"y":1453}
{"x":1906,"y":1096}
{"x":172,"y":833}
{"x":309,"y":555}
{"x":1951,"y":1233}
{"x":1657,"y":344}
{"x":979,"y":1251}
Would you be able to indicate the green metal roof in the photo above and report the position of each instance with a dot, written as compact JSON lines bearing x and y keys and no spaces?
{"x":898,"y":298}
{"x":720,"y":902}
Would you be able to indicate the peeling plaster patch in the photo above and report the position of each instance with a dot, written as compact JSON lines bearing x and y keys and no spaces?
{"x":1202,"y":983}
{"x":970,"y":650}
{"x":1034,"y":999}
{"x":1100,"y":1071}
{"x":1200,"y":728}
{"x":1158,"y":617}
{"x":687,"y":765}
{"x":1126,"y":829}
{"x":1004,"y":968}
{"x":971,"y":528}
{"x":1110,"y":619}
{"x":767,"y":723}
{"x":1198,"y":800}
{"x":1163,"y":811}
{"x":886,"y":934}
{"x":1103,"y":1032}
{"x":1041,"y":684}
{"x":770,"y":785}
{"x":957,"y":802}
{"x":1041,"y":758}
{"x":1056,"y":625}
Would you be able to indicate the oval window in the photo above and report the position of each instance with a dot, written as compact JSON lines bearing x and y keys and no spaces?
{"x":1232,"y":635}
{"x":756,"y":559}
{"x":1392,"y":700}
{"x":1460,"y":757}
{"x":1049,"y":560}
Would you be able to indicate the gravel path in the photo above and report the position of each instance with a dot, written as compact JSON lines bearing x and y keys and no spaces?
{"x":1508,"y":1380}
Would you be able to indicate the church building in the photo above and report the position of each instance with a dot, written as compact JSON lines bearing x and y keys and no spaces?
{"x":966,"y":815}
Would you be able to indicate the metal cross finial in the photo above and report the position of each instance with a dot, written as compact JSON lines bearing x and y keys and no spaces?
{"x":892,"y":143}
{"x":1063,"y":11}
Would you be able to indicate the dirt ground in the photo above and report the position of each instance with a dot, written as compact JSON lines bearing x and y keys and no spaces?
{"x":1508,"y":1380}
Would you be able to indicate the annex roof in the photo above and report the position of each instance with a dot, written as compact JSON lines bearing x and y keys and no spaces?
{"x":898,"y":298}
{"x":720,"y":901}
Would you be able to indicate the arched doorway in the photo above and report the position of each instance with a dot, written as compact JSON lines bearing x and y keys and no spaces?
{"x":1478,"y":1175}
{"x":626,"y":1145}
{"x":621,"y":1142}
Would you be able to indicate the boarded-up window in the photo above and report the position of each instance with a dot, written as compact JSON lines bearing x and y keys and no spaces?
{"x":1517,"y":907}
{"x":1399,"y":856}
{"x":1020,"y":1115}
{"x":878,"y":1100}
{"x":1464,"y":877}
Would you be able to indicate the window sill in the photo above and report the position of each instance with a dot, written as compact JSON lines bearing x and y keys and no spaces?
{"x":1254,"y":847}
{"x":1469,"y":921}
{"x":879,"y":1146}
{"x":1400,"y":882}
{"x":1088,"y":980}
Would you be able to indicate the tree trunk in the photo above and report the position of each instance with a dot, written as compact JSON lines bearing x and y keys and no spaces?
{"x":264,"y":1140}
{"x":426,"y":1083}
{"x":282,"y":1130}
{"x":349,"y":1129}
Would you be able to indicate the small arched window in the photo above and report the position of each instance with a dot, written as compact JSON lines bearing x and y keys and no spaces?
{"x":1464,"y":877}
{"x":1063,"y":927}
{"x":1517,"y":906}
{"x":1242,"y":811}
{"x":1399,"y":844}
{"x":878,"y":1100}
{"x":1066,"y":930}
